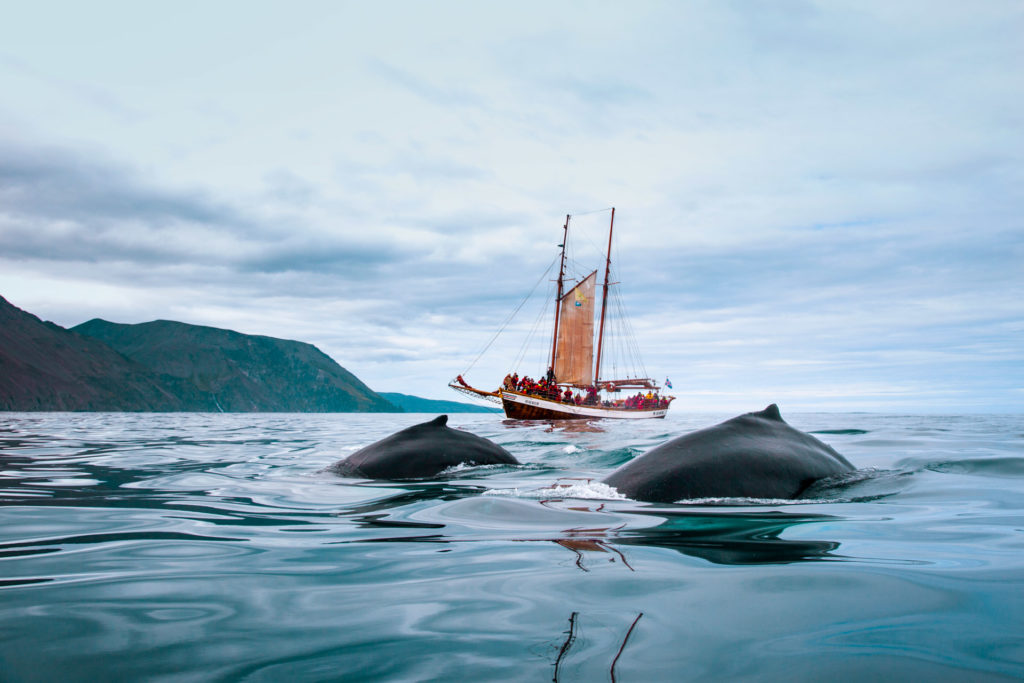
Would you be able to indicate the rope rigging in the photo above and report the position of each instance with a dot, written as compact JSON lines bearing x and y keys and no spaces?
{"x":510,"y":317}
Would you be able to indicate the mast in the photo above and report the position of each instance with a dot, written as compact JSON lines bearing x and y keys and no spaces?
{"x":604,"y":302}
{"x":558,"y":296}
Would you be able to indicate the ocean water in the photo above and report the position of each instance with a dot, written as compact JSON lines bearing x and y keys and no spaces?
{"x":214,"y":548}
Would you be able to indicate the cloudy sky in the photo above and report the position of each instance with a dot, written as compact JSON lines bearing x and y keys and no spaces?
{"x":818,"y":203}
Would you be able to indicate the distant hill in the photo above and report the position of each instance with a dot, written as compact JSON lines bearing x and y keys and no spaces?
{"x":241,"y":372}
{"x":415,"y":404}
{"x":166,"y":366}
{"x":46,"y":367}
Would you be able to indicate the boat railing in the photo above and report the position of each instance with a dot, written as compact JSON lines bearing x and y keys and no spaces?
{"x":661,"y":402}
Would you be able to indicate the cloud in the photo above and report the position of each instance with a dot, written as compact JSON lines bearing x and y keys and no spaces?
{"x":59,"y":184}
{"x":102,"y":222}
{"x":811,"y":195}
{"x":57,"y":205}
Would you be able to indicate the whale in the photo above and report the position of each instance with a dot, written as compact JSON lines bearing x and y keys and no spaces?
{"x":754,"y":455}
{"x":422,"y":451}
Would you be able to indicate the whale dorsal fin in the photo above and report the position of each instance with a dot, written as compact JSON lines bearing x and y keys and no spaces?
{"x":439,"y":421}
{"x":771,"y":413}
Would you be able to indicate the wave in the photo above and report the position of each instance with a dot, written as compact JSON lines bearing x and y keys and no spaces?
{"x":851,"y":432}
{"x":859,"y":486}
{"x":584,"y":489}
{"x":983,"y":467}
{"x":613,"y":458}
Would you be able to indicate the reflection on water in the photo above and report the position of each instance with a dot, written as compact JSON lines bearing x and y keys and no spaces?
{"x":747,"y":537}
{"x":202,"y":547}
{"x":734,"y":538}
{"x":721,"y":538}
{"x":550,"y":426}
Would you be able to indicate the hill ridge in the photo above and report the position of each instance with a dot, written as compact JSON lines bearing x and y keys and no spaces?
{"x":172,"y":366}
{"x":243,"y":372}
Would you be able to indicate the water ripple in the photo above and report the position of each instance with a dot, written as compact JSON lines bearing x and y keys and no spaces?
{"x":215,"y":547}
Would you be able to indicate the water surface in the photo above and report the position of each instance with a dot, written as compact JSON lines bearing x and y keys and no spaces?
{"x":213,"y":547}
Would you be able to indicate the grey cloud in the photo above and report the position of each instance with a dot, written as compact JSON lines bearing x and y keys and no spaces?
{"x":314,"y":256}
{"x":33,"y":238}
{"x":100,"y":223}
{"x":60,"y":184}
{"x":57,"y":205}
{"x":878,"y":261}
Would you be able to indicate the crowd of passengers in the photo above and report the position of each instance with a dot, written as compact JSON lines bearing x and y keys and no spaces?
{"x":547,"y":387}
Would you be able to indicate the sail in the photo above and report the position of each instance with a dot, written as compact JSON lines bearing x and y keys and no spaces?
{"x":574,"y":348}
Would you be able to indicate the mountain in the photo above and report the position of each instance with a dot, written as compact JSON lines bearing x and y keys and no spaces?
{"x":46,"y":367}
{"x":415,"y":404}
{"x":240,"y":372}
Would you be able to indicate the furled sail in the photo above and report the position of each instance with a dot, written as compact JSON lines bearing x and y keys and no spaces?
{"x":574,"y":348}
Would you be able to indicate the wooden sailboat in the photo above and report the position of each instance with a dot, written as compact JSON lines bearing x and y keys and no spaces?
{"x":573,"y":387}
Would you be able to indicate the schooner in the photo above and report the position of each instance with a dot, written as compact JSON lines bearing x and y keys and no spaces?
{"x":574,"y":386}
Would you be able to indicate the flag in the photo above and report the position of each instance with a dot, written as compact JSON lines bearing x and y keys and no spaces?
{"x":668,"y":384}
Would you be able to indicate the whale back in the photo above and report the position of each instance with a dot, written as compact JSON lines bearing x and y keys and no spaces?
{"x":754,"y":455}
{"x":421,"y":451}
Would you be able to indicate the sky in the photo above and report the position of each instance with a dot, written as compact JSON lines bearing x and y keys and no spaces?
{"x":818,"y":204}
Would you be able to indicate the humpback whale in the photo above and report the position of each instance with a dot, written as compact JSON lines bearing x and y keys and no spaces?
{"x":755,"y":455}
{"x":420,"y":452}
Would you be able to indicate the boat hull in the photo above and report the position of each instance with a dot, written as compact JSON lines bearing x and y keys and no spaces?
{"x":520,"y":407}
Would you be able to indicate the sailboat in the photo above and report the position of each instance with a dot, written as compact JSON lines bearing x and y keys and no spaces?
{"x":574,"y":387}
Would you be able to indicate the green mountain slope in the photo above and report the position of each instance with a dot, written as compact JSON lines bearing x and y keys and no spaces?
{"x":46,"y":367}
{"x":240,"y":372}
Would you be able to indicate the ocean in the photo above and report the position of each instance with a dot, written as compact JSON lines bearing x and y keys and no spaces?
{"x":213,"y":547}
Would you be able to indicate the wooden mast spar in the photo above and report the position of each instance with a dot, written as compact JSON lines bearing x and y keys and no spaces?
{"x":558,"y":296}
{"x":604,"y":303}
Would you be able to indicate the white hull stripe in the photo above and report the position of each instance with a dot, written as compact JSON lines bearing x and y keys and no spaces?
{"x":587,"y":411}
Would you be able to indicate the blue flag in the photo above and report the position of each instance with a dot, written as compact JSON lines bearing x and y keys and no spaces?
{"x":667,"y":383}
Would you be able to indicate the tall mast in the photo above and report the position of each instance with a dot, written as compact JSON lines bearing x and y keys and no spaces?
{"x":558,"y":297}
{"x":604,"y":302}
